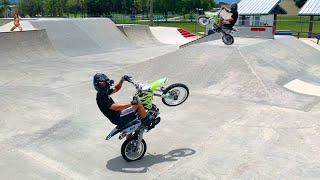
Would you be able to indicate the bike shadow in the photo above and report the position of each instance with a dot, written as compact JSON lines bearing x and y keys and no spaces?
{"x":141,"y":166}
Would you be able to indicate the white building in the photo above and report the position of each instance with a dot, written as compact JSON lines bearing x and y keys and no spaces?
{"x":259,"y":12}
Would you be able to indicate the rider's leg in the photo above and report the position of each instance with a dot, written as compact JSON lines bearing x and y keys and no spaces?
{"x":142,"y":113}
{"x":221,"y":22}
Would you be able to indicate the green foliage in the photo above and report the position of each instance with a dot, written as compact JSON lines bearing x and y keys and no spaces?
{"x":4,"y":7}
{"x":300,"y":3}
{"x":31,"y":7}
{"x":54,"y":7}
{"x":99,"y":7}
{"x":76,"y":7}
{"x":107,"y":7}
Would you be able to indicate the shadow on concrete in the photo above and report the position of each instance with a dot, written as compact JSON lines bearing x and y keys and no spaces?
{"x":141,"y":166}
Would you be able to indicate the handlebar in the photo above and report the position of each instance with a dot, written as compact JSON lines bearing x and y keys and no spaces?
{"x":135,"y":85}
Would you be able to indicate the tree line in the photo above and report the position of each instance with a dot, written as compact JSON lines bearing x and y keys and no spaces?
{"x":104,"y":8}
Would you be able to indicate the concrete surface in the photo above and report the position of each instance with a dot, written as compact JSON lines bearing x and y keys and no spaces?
{"x":140,"y":35}
{"x":206,"y":38}
{"x":170,"y":35}
{"x":239,"y":122}
{"x":303,"y":87}
{"x":312,"y":42}
{"x":74,"y":37}
{"x":26,"y":26}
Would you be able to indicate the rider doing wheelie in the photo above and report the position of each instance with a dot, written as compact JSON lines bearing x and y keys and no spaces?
{"x":230,"y":22}
{"x":118,"y":114}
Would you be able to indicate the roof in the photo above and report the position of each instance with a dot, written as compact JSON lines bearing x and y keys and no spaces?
{"x":311,"y":7}
{"x":278,"y":10}
{"x":258,"y":7}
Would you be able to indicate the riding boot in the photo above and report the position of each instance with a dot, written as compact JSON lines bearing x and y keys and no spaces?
{"x":149,"y":122}
{"x":218,"y":29}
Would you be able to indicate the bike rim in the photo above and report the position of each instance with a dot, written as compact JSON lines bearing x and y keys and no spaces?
{"x":179,"y":92}
{"x":130,"y":150}
{"x":227,"y":39}
{"x":203,"y":21}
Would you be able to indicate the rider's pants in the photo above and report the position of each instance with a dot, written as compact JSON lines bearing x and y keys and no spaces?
{"x":127,"y":115}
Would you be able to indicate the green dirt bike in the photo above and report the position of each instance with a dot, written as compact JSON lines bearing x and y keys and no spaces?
{"x":214,"y":18}
{"x":135,"y":147}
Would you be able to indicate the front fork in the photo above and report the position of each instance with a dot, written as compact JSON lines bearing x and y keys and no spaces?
{"x":140,"y":137}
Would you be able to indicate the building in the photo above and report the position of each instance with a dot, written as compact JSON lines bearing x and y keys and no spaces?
{"x":259,"y":12}
{"x":310,"y":8}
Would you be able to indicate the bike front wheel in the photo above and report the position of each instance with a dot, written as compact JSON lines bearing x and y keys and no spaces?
{"x":175,"y":94}
{"x":131,"y":151}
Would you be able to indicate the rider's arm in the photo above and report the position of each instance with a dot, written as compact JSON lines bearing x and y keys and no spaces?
{"x":117,"y":87}
{"x":228,"y":19}
{"x":119,"y":107}
{"x":228,"y":10}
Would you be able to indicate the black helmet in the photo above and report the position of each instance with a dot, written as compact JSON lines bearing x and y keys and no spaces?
{"x":102,"y":83}
{"x":234,"y":7}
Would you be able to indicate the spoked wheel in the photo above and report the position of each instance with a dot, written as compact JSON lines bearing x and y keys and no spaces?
{"x":175,"y":94}
{"x":203,"y":20}
{"x":129,"y":150}
{"x":227,"y":39}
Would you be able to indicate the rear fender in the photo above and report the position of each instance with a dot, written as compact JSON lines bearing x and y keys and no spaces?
{"x":112,"y":133}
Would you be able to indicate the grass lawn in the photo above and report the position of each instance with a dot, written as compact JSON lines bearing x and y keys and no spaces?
{"x":297,"y":24}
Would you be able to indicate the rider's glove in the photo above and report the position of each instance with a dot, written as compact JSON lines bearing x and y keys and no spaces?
{"x":223,"y":8}
{"x":126,"y":78}
{"x":134,"y":101}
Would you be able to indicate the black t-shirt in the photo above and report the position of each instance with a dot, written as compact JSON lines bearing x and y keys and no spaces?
{"x":104,"y":102}
{"x":235,"y":16}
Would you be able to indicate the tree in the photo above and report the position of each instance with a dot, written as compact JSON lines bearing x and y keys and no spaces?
{"x":190,"y":6}
{"x":4,"y":7}
{"x":100,"y":7}
{"x":54,"y":7}
{"x":300,"y":3}
{"x":31,"y":7}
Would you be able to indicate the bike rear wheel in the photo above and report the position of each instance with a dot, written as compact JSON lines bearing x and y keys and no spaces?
{"x":175,"y":94}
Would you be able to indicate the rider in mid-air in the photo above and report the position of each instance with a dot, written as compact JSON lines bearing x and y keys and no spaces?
{"x":118,"y":114}
{"x":230,"y":22}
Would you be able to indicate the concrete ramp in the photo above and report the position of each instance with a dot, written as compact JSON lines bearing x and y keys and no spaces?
{"x":17,"y":47}
{"x":254,"y":72}
{"x":76,"y":37}
{"x":170,"y":35}
{"x":202,"y":40}
{"x":239,"y":121}
{"x":139,"y":35}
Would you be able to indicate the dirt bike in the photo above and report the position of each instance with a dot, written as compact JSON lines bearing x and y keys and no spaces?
{"x":214,"y":18}
{"x":134,"y":147}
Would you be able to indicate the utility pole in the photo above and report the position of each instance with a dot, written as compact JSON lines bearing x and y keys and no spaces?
{"x":151,"y":12}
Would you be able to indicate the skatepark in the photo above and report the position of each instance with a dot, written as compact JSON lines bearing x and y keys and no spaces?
{"x":253,"y":110}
